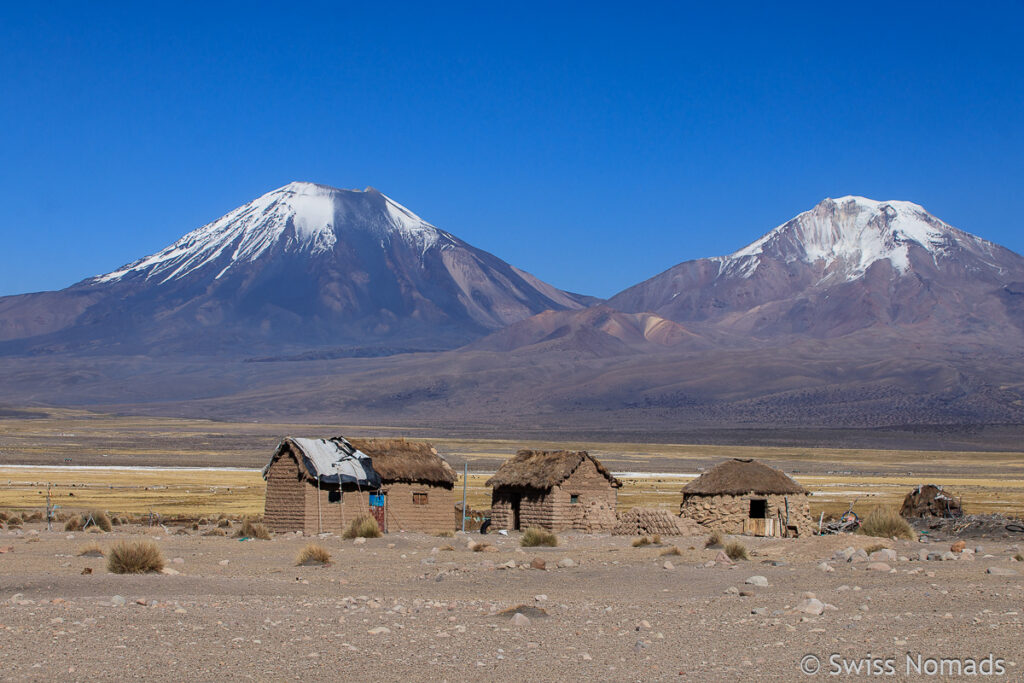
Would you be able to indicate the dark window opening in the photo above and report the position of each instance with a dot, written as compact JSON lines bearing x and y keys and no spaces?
{"x":758,"y":508}
{"x":574,"y":498}
{"x":334,"y":496}
{"x":419,"y":499}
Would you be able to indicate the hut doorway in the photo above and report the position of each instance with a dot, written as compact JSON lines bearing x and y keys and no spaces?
{"x":758,"y":508}
{"x":516,"y":499}
{"x":379,"y":510}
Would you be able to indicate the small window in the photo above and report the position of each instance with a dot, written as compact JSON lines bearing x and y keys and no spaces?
{"x":574,"y":498}
{"x":419,"y":498}
{"x":758,"y":508}
{"x":334,"y":496}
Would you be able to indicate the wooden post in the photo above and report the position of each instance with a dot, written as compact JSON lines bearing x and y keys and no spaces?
{"x":465,"y":477}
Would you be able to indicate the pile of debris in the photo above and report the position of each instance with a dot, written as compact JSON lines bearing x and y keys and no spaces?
{"x":930,"y":500}
{"x":645,"y":521}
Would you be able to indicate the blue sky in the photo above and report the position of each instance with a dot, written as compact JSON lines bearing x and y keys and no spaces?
{"x":591,"y":145}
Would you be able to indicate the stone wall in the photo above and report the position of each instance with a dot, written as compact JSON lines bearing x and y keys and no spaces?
{"x":284,"y":506}
{"x":727,"y":513}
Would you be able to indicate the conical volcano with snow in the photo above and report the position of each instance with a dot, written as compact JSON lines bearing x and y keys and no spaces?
{"x":845,"y":265}
{"x":303,"y":266}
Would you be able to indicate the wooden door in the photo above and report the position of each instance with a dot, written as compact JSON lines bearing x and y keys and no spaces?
{"x":379,"y":510}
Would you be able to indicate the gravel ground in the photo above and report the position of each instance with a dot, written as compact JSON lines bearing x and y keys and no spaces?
{"x":405,"y":607}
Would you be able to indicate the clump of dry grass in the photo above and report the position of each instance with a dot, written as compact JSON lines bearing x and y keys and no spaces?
{"x":73,"y":523}
{"x":251,"y":529}
{"x":885,"y":522}
{"x":36,"y":516}
{"x":90,"y":550}
{"x":736,"y":551}
{"x":13,"y":521}
{"x":640,"y":542}
{"x":101,"y":520}
{"x":1019,"y":557}
{"x":446,"y":534}
{"x":534,"y":537}
{"x":134,"y":557}
{"x":313,"y":554}
{"x":715,"y":540}
{"x":447,"y":548}
{"x":478,"y":547}
{"x":362,"y":527}
{"x":215,"y":532}
{"x":224,"y":523}
{"x":94,"y":530}
{"x":656,"y":539}
{"x":874,"y":547}
{"x":672,"y":550}
{"x":3,"y":516}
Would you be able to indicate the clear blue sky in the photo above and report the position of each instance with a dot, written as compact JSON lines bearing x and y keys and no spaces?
{"x":593,"y":146}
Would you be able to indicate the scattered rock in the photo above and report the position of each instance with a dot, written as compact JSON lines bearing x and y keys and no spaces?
{"x":732,"y":590}
{"x":883,"y":555}
{"x":878,"y":567}
{"x":540,"y":598}
{"x":538,"y":563}
{"x":118,"y":601}
{"x":722,"y":558}
{"x":169,"y":572}
{"x":87,"y":571}
{"x":178,"y":560}
{"x":224,"y":563}
{"x":811,"y":606}
{"x":860,"y":555}
{"x":958,"y":547}
{"x":757,"y":581}
{"x":1001,"y":571}
{"x":359,"y":540}
{"x":760,"y":611}
{"x":519,"y":619}
{"x":668,"y":565}
{"x":826,"y":567}
{"x":379,"y":631}
{"x":566,"y":562}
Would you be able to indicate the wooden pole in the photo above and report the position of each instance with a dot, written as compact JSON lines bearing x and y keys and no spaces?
{"x":465,"y":478}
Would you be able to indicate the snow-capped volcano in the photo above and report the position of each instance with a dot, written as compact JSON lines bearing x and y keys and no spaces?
{"x":846,"y":264}
{"x":304,"y":266}
{"x":847,"y":235}
{"x":299,"y":217}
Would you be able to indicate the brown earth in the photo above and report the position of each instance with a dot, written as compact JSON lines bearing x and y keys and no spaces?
{"x":243,"y":611}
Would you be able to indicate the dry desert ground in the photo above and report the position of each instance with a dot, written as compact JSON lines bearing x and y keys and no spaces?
{"x":417,"y":607}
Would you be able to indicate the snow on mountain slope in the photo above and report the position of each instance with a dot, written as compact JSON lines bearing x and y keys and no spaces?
{"x":306,"y":217}
{"x":849,"y":234}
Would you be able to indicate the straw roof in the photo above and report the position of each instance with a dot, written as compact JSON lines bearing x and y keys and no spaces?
{"x":543,"y":469}
{"x":737,"y":477}
{"x":406,"y":461}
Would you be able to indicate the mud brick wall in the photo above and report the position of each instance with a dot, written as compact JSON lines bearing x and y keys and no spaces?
{"x":404,"y":515}
{"x":554,"y":510}
{"x":726,"y":513}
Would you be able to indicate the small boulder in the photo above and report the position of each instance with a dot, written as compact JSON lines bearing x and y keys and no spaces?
{"x":1001,"y":571}
{"x":883,"y":555}
{"x":538,"y":563}
{"x":811,"y":606}
{"x":878,"y":567}
{"x":520,"y":619}
{"x":760,"y":581}
{"x":566,"y":563}
{"x":958,"y":547}
{"x":668,"y":565}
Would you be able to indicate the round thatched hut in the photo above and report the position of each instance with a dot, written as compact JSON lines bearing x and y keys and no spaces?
{"x":748,"y":497}
{"x":930,"y":500}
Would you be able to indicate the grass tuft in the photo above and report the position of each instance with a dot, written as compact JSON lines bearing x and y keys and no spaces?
{"x":640,"y":542}
{"x":362,"y":527}
{"x":313,"y":554}
{"x":872,"y":548}
{"x":251,"y":529}
{"x":1019,"y":557}
{"x":215,"y":532}
{"x":736,"y":551}
{"x":224,"y":523}
{"x":715,"y":540}
{"x":101,"y":520}
{"x":90,"y":550}
{"x":885,"y":522}
{"x":656,"y":539}
{"x":14,"y":521}
{"x":534,"y":537}
{"x":672,"y":550}
{"x":446,"y":534}
{"x":73,"y":523}
{"x":134,"y":557}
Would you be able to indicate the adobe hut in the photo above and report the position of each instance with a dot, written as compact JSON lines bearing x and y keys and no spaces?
{"x":321,"y":485}
{"x":748,"y":497}
{"x":553,"y":490}
{"x":417,"y":485}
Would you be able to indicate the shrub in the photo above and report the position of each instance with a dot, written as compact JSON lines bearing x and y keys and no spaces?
{"x":90,"y":550}
{"x":73,"y":524}
{"x":250,"y":529}
{"x":134,"y":557}
{"x":736,"y":551}
{"x":656,"y":539}
{"x":885,"y":522}
{"x":100,"y":519}
{"x":224,"y":523}
{"x":3,"y":516}
{"x":478,"y":547}
{"x":673,"y":550}
{"x":715,"y":540}
{"x":362,"y":527}
{"x":313,"y":554}
{"x":14,"y":521}
{"x":116,"y":521}
{"x":36,"y":516}
{"x":534,"y":537}
{"x":642,"y":541}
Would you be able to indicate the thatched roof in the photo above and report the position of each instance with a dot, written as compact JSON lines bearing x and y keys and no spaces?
{"x":738,"y":477}
{"x":406,"y":461}
{"x":543,"y":469}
